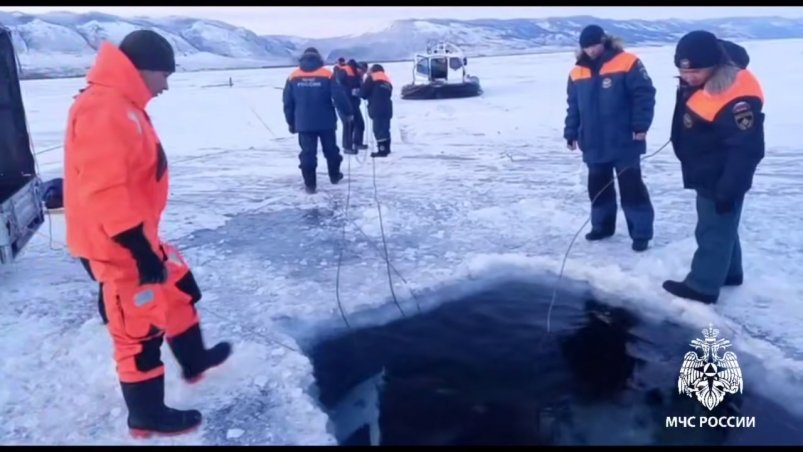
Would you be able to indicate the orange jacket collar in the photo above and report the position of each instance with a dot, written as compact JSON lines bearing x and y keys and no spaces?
{"x":114,"y":70}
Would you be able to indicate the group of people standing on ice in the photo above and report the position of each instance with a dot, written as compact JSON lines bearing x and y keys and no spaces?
{"x":313,"y":97}
{"x":116,"y":180}
{"x":717,"y":134}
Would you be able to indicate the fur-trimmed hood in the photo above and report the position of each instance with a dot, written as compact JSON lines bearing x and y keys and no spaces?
{"x":722,"y":79}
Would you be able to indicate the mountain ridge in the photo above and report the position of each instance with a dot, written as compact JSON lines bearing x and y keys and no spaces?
{"x":64,"y":44}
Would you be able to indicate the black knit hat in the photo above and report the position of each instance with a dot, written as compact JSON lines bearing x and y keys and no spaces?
{"x":149,"y":51}
{"x":591,"y":35}
{"x":698,"y":49}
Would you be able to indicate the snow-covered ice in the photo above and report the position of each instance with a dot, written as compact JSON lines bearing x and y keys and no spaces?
{"x":474,"y":188}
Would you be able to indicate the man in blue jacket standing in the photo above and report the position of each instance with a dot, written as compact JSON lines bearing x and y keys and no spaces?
{"x":311,"y":95}
{"x":718,"y":137}
{"x":611,"y":103}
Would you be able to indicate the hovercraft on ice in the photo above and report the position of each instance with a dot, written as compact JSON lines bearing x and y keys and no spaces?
{"x":440,"y":73}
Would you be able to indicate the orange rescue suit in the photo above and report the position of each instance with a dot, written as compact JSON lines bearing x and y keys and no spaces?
{"x":115,"y":178}
{"x":115,"y":170}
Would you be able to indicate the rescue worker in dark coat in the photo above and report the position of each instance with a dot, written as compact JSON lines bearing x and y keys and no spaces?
{"x":355,"y":84}
{"x":350,"y":78}
{"x":309,"y":94}
{"x":378,"y":90}
{"x":115,"y":192}
{"x":338,"y":67}
{"x":611,"y":103}
{"x":718,"y":136}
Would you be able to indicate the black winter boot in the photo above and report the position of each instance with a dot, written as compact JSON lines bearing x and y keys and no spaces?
{"x":681,"y":290}
{"x":598,"y":235}
{"x":335,"y":175}
{"x":148,"y":415}
{"x":310,"y":180}
{"x":383,"y":149}
{"x":194,"y":358}
{"x":640,"y":245}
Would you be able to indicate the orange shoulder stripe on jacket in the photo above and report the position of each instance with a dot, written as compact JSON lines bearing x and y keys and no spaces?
{"x":708,"y":106}
{"x":322,"y":72}
{"x":580,"y":73}
{"x":349,"y":71}
{"x":380,"y":77}
{"x":620,"y":63}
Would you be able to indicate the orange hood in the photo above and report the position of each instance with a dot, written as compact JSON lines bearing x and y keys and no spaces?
{"x":114,"y":70}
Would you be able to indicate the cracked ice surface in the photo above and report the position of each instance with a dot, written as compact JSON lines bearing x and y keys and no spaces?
{"x":475,"y":188}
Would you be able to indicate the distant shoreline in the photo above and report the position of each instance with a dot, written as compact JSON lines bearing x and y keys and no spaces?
{"x":37,"y":75}
{"x":33,"y":75}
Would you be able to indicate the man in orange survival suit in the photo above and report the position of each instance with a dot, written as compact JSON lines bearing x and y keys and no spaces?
{"x":718,"y":136}
{"x":116,"y":186}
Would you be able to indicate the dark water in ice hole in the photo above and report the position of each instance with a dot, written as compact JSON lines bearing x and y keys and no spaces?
{"x":478,"y":370}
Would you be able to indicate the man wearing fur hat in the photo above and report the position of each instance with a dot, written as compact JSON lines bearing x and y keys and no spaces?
{"x":611,"y":103}
{"x":718,"y":136}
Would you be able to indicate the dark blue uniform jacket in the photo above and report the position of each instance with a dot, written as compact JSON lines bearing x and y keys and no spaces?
{"x":311,"y":95}
{"x":609,"y":99}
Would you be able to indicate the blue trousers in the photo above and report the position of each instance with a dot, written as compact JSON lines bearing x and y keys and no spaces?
{"x":719,"y":253}
{"x":381,"y":128}
{"x":353,"y":134}
{"x":308,"y":157}
{"x":635,"y":198}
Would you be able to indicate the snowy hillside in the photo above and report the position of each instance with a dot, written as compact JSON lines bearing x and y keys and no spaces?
{"x":498,"y":37}
{"x":64,"y":44}
{"x":59,"y":44}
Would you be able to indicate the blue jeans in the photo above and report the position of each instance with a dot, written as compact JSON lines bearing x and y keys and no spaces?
{"x":719,"y":253}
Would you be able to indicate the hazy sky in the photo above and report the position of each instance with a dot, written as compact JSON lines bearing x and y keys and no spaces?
{"x":320,"y":22}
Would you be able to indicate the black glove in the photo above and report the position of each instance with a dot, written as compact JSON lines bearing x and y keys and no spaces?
{"x":292,"y":129}
{"x":151,"y":267}
{"x":724,"y":207}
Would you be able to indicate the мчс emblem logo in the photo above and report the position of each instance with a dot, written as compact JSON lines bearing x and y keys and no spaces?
{"x":709,"y":376}
{"x":687,"y":121}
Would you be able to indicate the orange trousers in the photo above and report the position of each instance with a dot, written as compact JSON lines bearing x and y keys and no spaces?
{"x":140,"y":316}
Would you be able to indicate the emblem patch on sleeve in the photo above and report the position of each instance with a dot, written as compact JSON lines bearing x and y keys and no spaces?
{"x":743,"y":115}
{"x":687,"y":121}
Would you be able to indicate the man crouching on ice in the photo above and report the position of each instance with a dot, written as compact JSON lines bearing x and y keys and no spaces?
{"x":718,"y":136}
{"x":116,"y":188}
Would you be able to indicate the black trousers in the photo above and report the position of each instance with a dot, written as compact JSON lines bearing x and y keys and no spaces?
{"x":635,"y":198}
